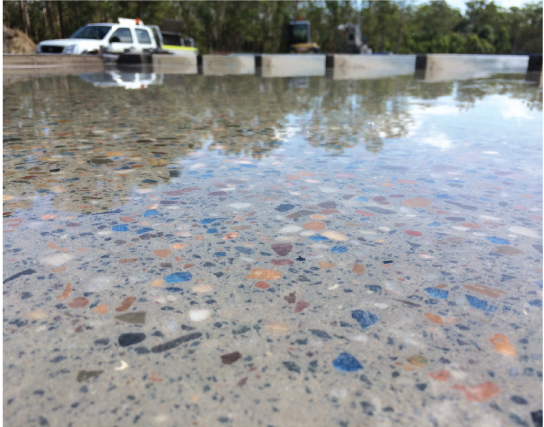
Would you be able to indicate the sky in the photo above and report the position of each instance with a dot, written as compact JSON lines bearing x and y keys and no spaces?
{"x":460,"y":4}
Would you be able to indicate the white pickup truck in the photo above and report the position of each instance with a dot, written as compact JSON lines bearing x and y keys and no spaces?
{"x":128,"y":36}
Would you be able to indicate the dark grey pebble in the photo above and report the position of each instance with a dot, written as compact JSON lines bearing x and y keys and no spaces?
{"x":320,"y":334}
{"x":131,"y":338}
{"x":292,"y":366}
{"x":519,"y":400}
{"x":169,"y":345}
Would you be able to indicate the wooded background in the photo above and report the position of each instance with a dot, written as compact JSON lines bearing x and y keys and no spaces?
{"x":259,"y":26}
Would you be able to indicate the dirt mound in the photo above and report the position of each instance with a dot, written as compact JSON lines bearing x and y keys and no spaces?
{"x":16,"y":41}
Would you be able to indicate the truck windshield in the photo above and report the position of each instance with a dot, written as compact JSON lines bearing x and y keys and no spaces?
{"x":300,"y":33}
{"x":93,"y":32}
{"x":171,"y":39}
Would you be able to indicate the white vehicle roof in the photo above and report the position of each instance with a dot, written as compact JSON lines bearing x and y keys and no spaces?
{"x":123,"y":21}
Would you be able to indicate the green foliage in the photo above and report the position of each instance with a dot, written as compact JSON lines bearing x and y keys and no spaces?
{"x":260,"y":26}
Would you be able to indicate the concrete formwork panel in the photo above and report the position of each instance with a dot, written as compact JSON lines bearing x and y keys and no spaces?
{"x":50,"y":64}
{"x":175,"y":64}
{"x":292,"y":65}
{"x":372,"y":66}
{"x":220,"y":65}
{"x":443,"y":67}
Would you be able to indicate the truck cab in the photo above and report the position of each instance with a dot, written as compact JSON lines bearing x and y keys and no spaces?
{"x":298,"y":38}
{"x":128,"y":36}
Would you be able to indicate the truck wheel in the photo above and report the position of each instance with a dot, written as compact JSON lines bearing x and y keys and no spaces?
{"x":292,"y":50}
{"x":314,"y":50}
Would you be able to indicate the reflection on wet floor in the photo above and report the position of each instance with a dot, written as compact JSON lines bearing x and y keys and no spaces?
{"x":272,"y":251}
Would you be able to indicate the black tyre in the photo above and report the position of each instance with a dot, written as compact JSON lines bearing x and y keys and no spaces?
{"x":292,"y":50}
{"x":314,"y":50}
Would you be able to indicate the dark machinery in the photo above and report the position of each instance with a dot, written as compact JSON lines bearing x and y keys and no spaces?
{"x":352,"y":41}
{"x":298,"y":38}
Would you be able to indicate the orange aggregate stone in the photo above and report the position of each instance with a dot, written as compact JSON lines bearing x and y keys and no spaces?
{"x":417,"y":202}
{"x":442,"y":375}
{"x":502,"y":344}
{"x":263,"y":273}
{"x":52,"y":246}
{"x":199,"y":237}
{"x":358,"y":269}
{"x":101,"y":309}
{"x":324,"y":264}
{"x":127,"y":219}
{"x":406,"y":181}
{"x":127,"y":261}
{"x":482,"y":289}
{"x":306,"y":174}
{"x":66,"y":292}
{"x":292,"y":177}
{"x":315,"y":226}
{"x":387,"y":184}
{"x":79,"y":302}
{"x":277,"y":327}
{"x":125,"y":305}
{"x":536,"y":218}
{"x":507,"y":250}
{"x":434,"y":318}
{"x":317,"y":216}
{"x":479,"y":393}
{"x":157,"y":282}
{"x":49,"y":216}
{"x":178,"y":246}
{"x":262,"y":285}
{"x":162,"y":253}
{"x":59,"y":270}
{"x":470,"y":225}
{"x":230,"y":235}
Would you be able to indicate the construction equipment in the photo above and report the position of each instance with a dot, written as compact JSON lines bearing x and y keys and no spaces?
{"x":172,"y":39}
{"x":298,"y":38}
{"x":353,"y":43}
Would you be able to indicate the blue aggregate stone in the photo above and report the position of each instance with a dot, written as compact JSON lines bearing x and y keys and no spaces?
{"x":437,"y":293}
{"x":443,"y":196}
{"x":361,"y":199}
{"x":184,"y":276}
{"x":244,"y":250}
{"x":480,"y":304}
{"x":535,"y":303}
{"x":143,"y":230}
{"x":151,"y":212}
{"x":498,"y":240}
{"x":318,"y":238}
{"x":364,"y":318}
{"x":285,"y":207}
{"x":206,"y":175}
{"x":220,"y":254}
{"x":248,"y":166}
{"x":212,"y":230}
{"x":434,"y":224}
{"x":173,"y":290}
{"x":339,"y":249}
{"x":121,"y":227}
{"x":210,"y":220}
{"x":345,"y":362}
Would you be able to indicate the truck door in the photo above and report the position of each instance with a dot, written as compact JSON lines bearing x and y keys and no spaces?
{"x":144,"y":39}
{"x":121,"y":40}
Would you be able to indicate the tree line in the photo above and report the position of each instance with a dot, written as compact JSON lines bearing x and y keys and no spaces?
{"x":260,"y":26}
